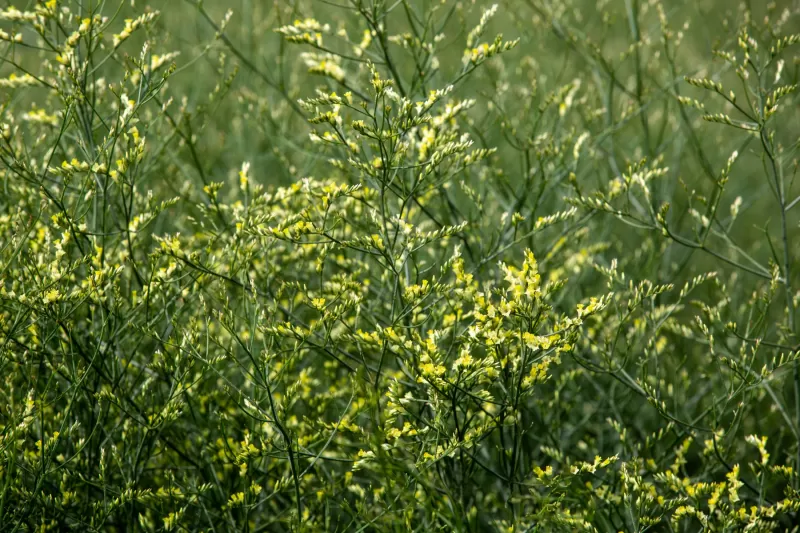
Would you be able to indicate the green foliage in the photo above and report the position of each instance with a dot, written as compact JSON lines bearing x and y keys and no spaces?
{"x":372,"y":265}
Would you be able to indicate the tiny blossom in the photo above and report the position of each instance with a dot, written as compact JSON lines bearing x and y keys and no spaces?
{"x":244,"y":178}
{"x":13,"y":81}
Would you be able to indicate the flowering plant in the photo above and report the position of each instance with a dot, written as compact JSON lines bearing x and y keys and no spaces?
{"x":374,"y":266}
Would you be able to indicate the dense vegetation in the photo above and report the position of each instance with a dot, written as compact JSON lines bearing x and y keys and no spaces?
{"x":370,"y":265}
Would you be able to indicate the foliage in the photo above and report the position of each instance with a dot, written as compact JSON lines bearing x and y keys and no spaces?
{"x":372,"y":265}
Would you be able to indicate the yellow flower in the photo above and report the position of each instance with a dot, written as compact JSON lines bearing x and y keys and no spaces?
{"x":51,"y":296}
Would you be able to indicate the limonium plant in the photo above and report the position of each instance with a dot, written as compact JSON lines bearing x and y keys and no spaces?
{"x":407,"y":265}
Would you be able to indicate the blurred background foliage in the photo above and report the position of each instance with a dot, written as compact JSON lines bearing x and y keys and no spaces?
{"x":626,"y":97}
